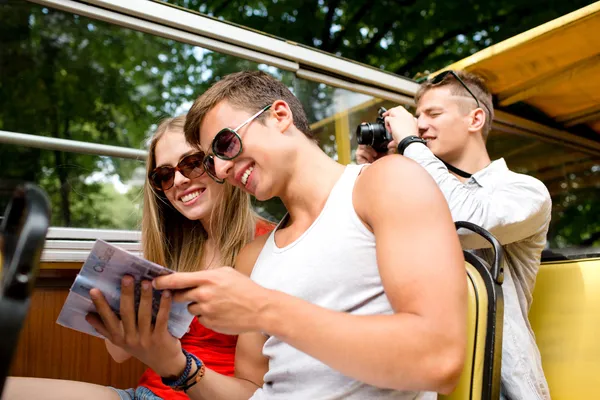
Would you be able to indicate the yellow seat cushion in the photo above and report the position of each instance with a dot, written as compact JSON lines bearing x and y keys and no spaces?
{"x":565,"y":317}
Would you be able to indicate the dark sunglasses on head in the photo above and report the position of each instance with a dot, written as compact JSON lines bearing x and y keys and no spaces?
{"x":227,"y":145}
{"x":440,"y":77}
{"x":162,"y":178}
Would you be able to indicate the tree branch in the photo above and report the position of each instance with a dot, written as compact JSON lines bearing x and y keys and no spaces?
{"x":422,"y":55}
{"x":219,"y":8}
{"x":307,"y":36}
{"x":357,"y":16}
{"x":427,"y":50}
{"x":367,"y":49}
{"x":326,"y":32}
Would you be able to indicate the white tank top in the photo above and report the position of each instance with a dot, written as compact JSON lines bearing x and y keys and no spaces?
{"x":333,"y":265}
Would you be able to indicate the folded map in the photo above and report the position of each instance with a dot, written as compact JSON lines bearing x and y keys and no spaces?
{"x":104,"y":268}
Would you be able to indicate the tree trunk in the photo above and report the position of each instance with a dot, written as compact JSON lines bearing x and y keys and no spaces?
{"x":60,"y":158}
{"x":64,"y":188}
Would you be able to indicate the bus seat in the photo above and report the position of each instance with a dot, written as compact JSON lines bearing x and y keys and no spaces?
{"x":22,"y":236}
{"x":480,"y":378}
{"x":565,"y":317}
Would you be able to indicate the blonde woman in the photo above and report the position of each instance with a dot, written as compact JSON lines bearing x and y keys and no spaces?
{"x":189,"y":223}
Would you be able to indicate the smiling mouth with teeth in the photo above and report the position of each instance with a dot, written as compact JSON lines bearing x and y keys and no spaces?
{"x":191,"y":196}
{"x":246,"y":175}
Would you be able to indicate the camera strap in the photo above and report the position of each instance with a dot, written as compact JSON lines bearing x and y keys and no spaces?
{"x":457,"y":171}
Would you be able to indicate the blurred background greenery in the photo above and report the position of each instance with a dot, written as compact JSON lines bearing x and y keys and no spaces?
{"x":71,"y":77}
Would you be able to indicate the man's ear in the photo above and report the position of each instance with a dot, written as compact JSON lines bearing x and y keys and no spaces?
{"x":283,"y":115}
{"x":477,"y":121}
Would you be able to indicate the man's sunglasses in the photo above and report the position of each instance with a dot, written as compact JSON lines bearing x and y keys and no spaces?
{"x":440,"y":77}
{"x":227,"y":145}
{"x":163,"y":178}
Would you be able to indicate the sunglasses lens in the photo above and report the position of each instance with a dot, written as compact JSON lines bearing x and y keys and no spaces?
{"x":227,"y":144}
{"x":209,"y":166}
{"x":162,"y":178}
{"x":191,"y":166}
{"x":439,"y":77}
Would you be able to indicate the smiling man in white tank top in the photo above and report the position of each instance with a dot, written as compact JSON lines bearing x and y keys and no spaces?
{"x":345,"y":299}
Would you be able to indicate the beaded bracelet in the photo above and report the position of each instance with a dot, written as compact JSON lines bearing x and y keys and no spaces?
{"x":195,"y":378}
{"x":182,"y":383}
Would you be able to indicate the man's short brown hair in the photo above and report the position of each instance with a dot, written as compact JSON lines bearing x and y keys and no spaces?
{"x":246,"y":90}
{"x":475,"y":83}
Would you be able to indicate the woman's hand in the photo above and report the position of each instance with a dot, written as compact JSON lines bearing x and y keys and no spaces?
{"x":152,"y":345}
{"x":117,"y":353}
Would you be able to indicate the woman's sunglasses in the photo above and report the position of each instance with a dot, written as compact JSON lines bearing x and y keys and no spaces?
{"x":163,"y":178}
{"x":227,"y":145}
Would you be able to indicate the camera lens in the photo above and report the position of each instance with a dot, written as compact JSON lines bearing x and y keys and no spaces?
{"x":364,"y":134}
{"x":373,"y":135}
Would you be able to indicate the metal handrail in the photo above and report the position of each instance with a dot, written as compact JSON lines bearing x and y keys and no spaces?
{"x":49,"y":143}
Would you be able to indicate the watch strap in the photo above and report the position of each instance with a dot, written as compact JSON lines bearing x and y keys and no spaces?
{"x":404,"y":143}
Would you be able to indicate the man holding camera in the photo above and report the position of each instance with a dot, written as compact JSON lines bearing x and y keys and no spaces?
{"x":453,"y":118}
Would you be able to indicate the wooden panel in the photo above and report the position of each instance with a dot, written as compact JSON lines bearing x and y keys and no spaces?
{"x":48,"y":350}
{"x":44,"y":265}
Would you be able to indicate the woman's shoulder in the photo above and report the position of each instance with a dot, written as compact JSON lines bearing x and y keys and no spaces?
{"x":248,"y":255}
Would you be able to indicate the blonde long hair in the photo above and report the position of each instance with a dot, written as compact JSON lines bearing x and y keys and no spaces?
{"x":172,"y":240}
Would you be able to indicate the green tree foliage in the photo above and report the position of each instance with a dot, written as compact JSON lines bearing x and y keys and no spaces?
{"x":576,"y":219}
{"x":70,"y":77}
{"x":400,"y":36}
{"x":53,"y":85}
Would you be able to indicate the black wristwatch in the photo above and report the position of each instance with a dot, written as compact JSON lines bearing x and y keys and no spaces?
{"x":408,"y":140}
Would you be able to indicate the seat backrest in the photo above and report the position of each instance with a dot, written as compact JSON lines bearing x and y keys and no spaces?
{"x":565,"y":316}
{"x":22,"y":235}
{"x":471,"y":379}
{"x":480,"y":378}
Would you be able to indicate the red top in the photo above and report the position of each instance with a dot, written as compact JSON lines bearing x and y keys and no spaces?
{"x":216,"y":350}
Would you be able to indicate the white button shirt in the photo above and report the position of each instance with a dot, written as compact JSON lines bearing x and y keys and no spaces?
{"x":516,"y":209}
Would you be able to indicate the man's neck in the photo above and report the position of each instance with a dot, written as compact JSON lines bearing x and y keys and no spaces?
{"x":310,"y":181}
{"x":471,"y":160}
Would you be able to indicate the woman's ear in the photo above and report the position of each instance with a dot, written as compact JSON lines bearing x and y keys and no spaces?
{"x":477,"y":121}
{"x":283,"y":115}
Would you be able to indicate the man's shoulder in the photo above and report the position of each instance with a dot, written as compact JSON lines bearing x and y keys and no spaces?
{"x":391,"y":171}
{"x":512,"y":178}
{"x":394,"y":182}
{"x":527,"y":184}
